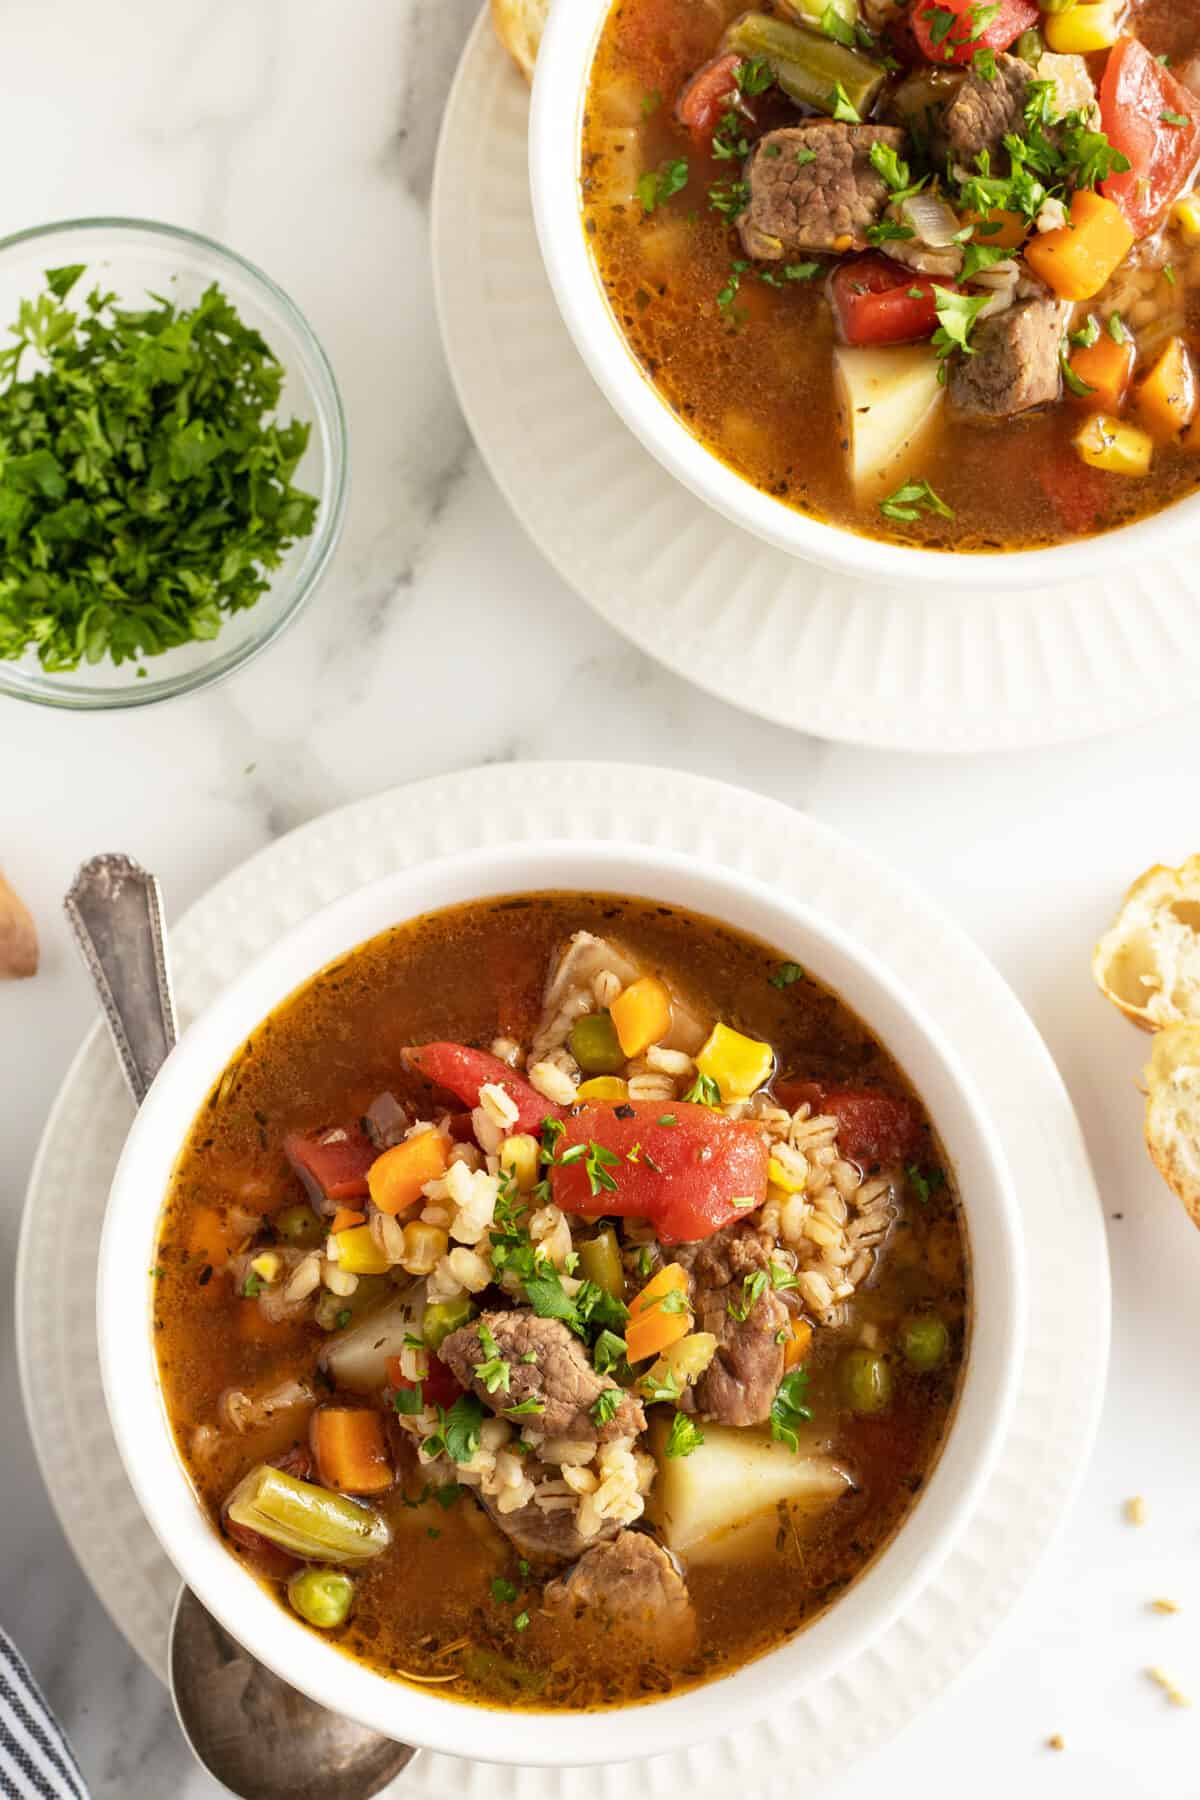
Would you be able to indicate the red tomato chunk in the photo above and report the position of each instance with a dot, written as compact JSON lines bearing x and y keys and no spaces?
{"x":688,"y":1179}
{"x":438,"y":1387}
{"x":878,"y":302}
{"x":332,"y":1164}
{"x":874,"y":1127}
{"x":462,"y":1072}
{"x":955,"y":40}
{"x":711,"y":92}
{"x":1153,"y":120}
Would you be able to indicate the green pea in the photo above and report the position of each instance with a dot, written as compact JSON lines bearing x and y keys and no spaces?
{"x":322,"y":1596}
{"x":1031,"y":46}
{"x":299,"y":1225}
{"x":924,"y":1341}
{"x":866,"y":1381}
{"x":595,"y":1045}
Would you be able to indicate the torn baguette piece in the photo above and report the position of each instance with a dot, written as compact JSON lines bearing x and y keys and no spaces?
{"x":1148,"y":964}
{"x":519,"y":25}
{"x":1173,"y":1111}
{"x":18,"y":937}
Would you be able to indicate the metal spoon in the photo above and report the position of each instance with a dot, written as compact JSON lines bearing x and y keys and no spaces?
{"x":254,"y":1733}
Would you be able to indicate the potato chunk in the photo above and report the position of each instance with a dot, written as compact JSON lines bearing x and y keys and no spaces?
{"x":723,"y":1497}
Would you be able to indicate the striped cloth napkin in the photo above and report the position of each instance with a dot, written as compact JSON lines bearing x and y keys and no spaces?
{"x":36,"y":1762}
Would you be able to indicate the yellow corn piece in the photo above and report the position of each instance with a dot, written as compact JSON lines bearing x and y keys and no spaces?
{"x":1185,"y":216}
{"x":519,"y":1159}
{"x":610,"y":1088}
{"x":1093,"y":26}
{"x":782,"y":1178}
{"x":267,"y":1266}
{"x":424,"y":1247}
{"x":642,"y":1015}
{"x":1112,"y":445}
{"x":359,"y":1254}
{"x":739,"y":1065}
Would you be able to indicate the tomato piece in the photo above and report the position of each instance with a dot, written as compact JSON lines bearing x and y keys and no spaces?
{"x":264,"y":1556}
{"x":1139,"y":99}
{"x":332,"y":1164}
{"x":462,"y":1072}
{"x":958,"y":41}
{"x":1079,"y":495}
{"x":873,"y":1126}
{"x":438,"y":1387}
{"x":878,"y":302}
{"x":710,"y":93}
{"x":685,"y":1178}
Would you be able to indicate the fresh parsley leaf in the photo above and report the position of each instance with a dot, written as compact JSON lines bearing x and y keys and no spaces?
{"x":408,"y":1401}
{"x":840,"y":29}
{"x":753,"y":1286}
{"x":889,"y":231}
{"x":60,"y":281}
{"x":911,"y":500}
{"x":978,"y":257}
{"x":1074,"y":382}
{"x":984,"y":64}
{"x":781,"y":1275}
{"x":606,"y":1405}
{"x":887,"y":164}
{"x":729,"y":197}
{"x":494,"y":1372}
{"x":804,"y":156}
{"x":925,"y":1182}
{"x":521,"y":1622}
{"x":459,"y":1430}
{"x":755,"y":76}
{"x":504,"y":1592}
{"x":547,"y":1295}
{"x":253,"y":1286}
{"x":1117,"y":329}
{"x":448,"y":1495}
{"x":684,"y":1436}
{"x":703,"y":1092}
{"x":728,"y":293}
{"x":789,"y":1408}
{"x":655,"y":1388}
{"x":657,"y":186}
{"x":840,"y":106}
{"x":608,"y":1352}
{"x":527,"y":1407}
{"x":1174,"y":118}
{"x":1086,"y":337}
{"x":957,"y":314}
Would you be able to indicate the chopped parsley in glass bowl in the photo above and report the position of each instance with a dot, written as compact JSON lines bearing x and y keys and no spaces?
{"x":172,"y":463}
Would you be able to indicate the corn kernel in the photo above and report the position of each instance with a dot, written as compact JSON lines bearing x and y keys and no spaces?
{"x":519,"y":1160}
{"x":779,"y":1177}
{"x":1112,"y":445}
{"x":1086,"y":28}
{"x":359,"y":1254}
{"x":610,"y":1088}
{"x":267,"y":1266}
{"x":424,"y":1247}
{"x":1186,"y":216}
{"x":739,"y":1065}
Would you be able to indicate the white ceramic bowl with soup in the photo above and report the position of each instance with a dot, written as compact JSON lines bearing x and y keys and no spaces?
{"x":992,"y":1370}
{"x":560,"y":93}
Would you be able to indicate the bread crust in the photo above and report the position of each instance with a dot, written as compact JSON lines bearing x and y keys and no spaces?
{"x":519,"y":25}
{"x":1150,"y":898}
{"x":1173,"y":1112}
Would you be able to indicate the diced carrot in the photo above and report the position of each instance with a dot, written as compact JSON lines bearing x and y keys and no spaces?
{"x":642,"y":1015}
{"x":397,"y":1177}
{"x":797,"y":1346}
{"x":1106,"y":367}
{"x":998,"y":229}
{"x":345,"y":1218}
{"x":1166,"y":399}
{"x":659,"y":1316}
{"x":350,"y":1447}
{"x":254,"y":1327}
{"x":1078,"y":259}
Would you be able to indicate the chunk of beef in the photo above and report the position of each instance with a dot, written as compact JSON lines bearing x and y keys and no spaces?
{"x":740,"y":1383}
{"x":1016,"y":364}
{"x":546,"y":1364}
{"x":981,"y":113}
{"x":536,"y":1532}
{"x":812,"y":187}
{"x":386,"y":1122}
{"x":631,"y":1588}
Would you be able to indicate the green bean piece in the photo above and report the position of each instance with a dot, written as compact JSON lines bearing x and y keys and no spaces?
{"x":299,"y":1225}
{"x":924,"y":1341}
{"x":595,"y":1046}
{"x":813,"y":11}
{"x":866,"y":1379}
{"x":308,"y":1521}
{"x":809,"y":67}
{"x":444,"y":1317}
{"x":1031,"y":46}
{"x":600,"y":1261}
{"x":322,"y":1596}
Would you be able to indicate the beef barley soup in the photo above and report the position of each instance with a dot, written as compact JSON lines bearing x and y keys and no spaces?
{"x":560,"y":1301}
{"x":928,"y":270}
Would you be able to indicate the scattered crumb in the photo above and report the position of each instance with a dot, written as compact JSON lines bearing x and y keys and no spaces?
{"x":1168,"y":1687}
{"x":1055,"y":1742}
{"x":1165,"y":1606}
{"x":1135,"y":1510}
{"x":1118,"y":1215}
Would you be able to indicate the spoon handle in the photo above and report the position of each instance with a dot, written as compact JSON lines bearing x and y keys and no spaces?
{"x":115,"y":910}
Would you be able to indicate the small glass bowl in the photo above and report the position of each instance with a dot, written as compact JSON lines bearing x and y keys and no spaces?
{"x":134,"y":258}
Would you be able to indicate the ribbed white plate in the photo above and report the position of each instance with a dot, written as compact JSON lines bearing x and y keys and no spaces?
{"x":951,"y":670}
{"x":1057,"y":1409}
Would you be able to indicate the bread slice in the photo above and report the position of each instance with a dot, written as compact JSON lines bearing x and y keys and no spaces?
{"x":18,"y":937}
{"x":1173,"y":1111}
{"x":519,"y":25}
{"x":1148,"y":965}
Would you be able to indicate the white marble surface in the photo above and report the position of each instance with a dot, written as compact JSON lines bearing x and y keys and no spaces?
{"x":302,"y":131}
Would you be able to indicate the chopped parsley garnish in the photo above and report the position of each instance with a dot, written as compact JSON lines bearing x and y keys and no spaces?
{"x":504,"y":1592}
{"x":910,"y":501}
{"x":892,"y":169}
{"x":729,"y":197}
{"x":343,"y":1318}
{"x":657,"y":186}
{"x":146,"y":483}
{"x":1086,"y":337}
{"x":755,"y":76}
{"x":889,"y":231}
{"x":984,"y":64}
{"x":597,"y":1166}
{"x":805,"y":156}
{"x":957,"y":314}
{"x":253,"y":1286}
{"x":1117,"y":329}
{"x":527,"y":1407}
{"x":1174,"y":118}
{"x":1074,"y":381}
{"x":654,"y":1388}
{"x":606,"y":1405}
{"x":684,"y":1436}
{"x":786,"y":975}
{"x":753,"y":1287}
{"x":458,"y":1430}
{"x":841,"y":107}
{"x":408,"y":1401}
{"x":728,"y":293}
{"x":781,"y":1275}
{"x":703,"y":1092}
{"x":644,"y":1260}
{"x":494,"y":1372}
{"x":448,"y":1495}
{"x":838,"y":28}
{"x":730,"y":143}
{"x":978,"y":257}
{"x":1169,"y":274}
{"x":608,"y":1352}
{"x":521,"y":1622}
{"x":788,"y":1409}
{"x":667,"y":1119}
{"x":925,"y":1182}
{"x":651,"y":103}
